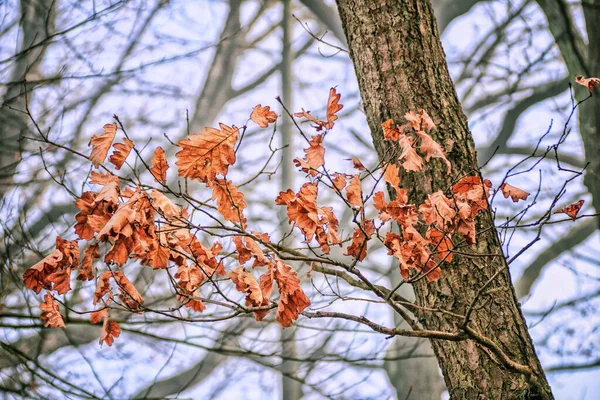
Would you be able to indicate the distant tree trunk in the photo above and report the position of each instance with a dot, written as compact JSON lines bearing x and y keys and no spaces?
{"x":401,"y":66}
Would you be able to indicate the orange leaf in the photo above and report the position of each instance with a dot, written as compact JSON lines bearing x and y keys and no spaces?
{"x":246,"y":284}
{"x":353,"y":192}
{"x":159,"y":166}
{"x":65,"y":257}
{"x":437,"y":210}
{"x":315,"y":156}
{"x":230,"y":201}
{"x":432,"y":149}
{"x":61,"y":280}
{"x":302,"y":209}
{"x":590,"y":83}
{"x":205,"y":155}
{"x":571,"y":210}
{"x":50,"y":313}
{"x":389,"y":132}
{"x":515,"y":193}
{"x":99,"y":315}
{"x":100,"y":178}
{"x":362,"y":233}
{"x":263,"y":116}
{"x":101,"y":144}
{"x":248,"y":249}
{"x":292,"y":300}
{"x":391,"y":175}
{"x":412,"y":161}
{"x":357,"y":164}
{"x":166,"y":207}
{"x":86,"y":270}
{"x":333,"y":107}
{"x":110,"y":330}
{"x":121,"y":153}
{"x":339,"y":181}
{"x":441,"y":244}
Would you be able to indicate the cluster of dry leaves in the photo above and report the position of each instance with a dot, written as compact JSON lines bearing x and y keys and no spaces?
{"x":119,"y":223}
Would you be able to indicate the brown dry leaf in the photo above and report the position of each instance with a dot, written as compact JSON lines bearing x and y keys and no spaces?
{"x":432,"y":149}
{"x":166,"y":207}
{"x":263,"y":116}
{"x":441,"y":244}
{"x":159,"y":166}
{"x":292,"y":299}
{"x":412,"y":161}
{"x":357,"y":164}
{"x":437,"y":210}
{"x":246,"y":284}
{"x":50,"y":313}
{"x":205,"y":155}
{"x":248,"y":249}
{"x":86,"y":270}
{"x":515,"y":193}
{"x":339,"y":181}
{"x":354,"y":192}
{"x":571,"y":210}
{"x":65,"y":256}
{"x":110,"y":330}
{"x":230,"y":201}
{"x":389,"y":132}
{"x":302,"y":209}
{"x":101,"y":144}
{"x":98,"y":315}
{"x":362,"y":233}
{"x":61,"y":280}
{"x":121,"y":153}
{"x":100,"y":178}
{"x":391,"y":175}
{"x":333,"y":107}
{"x":590,"y":83}
{"x":315,"y":156}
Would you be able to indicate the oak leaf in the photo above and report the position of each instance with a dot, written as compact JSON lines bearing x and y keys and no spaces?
{"x":357,"y":164}
{"x":391,"y":175}
{"x":205,"y":155}
{"x":362,"y":233}
{"x":354,"y":192}
{"x":263,"y":116}
{"x":159,"y":166}
{"x":230,"y":201}
{"x":590,"y":83}
{"x":292,"y":299}
{"x":247,"y":284}
{"x":515,"y":193}
{"x":101,"y":144}
{"x":571,"y":210}
{"x":333,"y":107}
{"x":86,"y":269}
{"x":50,"y":315}
{"x":121,"y":153}
{"x":101,"y":178}
{"x":110,"y":330}
{"x":315,"y":156}
{"x":431,"y":148}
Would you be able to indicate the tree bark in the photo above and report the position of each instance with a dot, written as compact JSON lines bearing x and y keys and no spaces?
{"x":401,"y":66}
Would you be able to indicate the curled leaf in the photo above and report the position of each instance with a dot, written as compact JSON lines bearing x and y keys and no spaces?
{"x":515,"y":193}
{"x":50,"y":313}
{"x":571,"y":210}
{"x":263,"y":116}
{"x":590,"y":83}
{"x":159,"y":166}
{"x":101,"y":144}
{"x":121,"y":153}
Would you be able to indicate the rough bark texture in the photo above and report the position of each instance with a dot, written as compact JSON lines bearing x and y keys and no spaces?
{"x":400,"y":65}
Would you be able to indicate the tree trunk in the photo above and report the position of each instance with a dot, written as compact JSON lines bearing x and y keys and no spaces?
{"x":401,"y":66}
